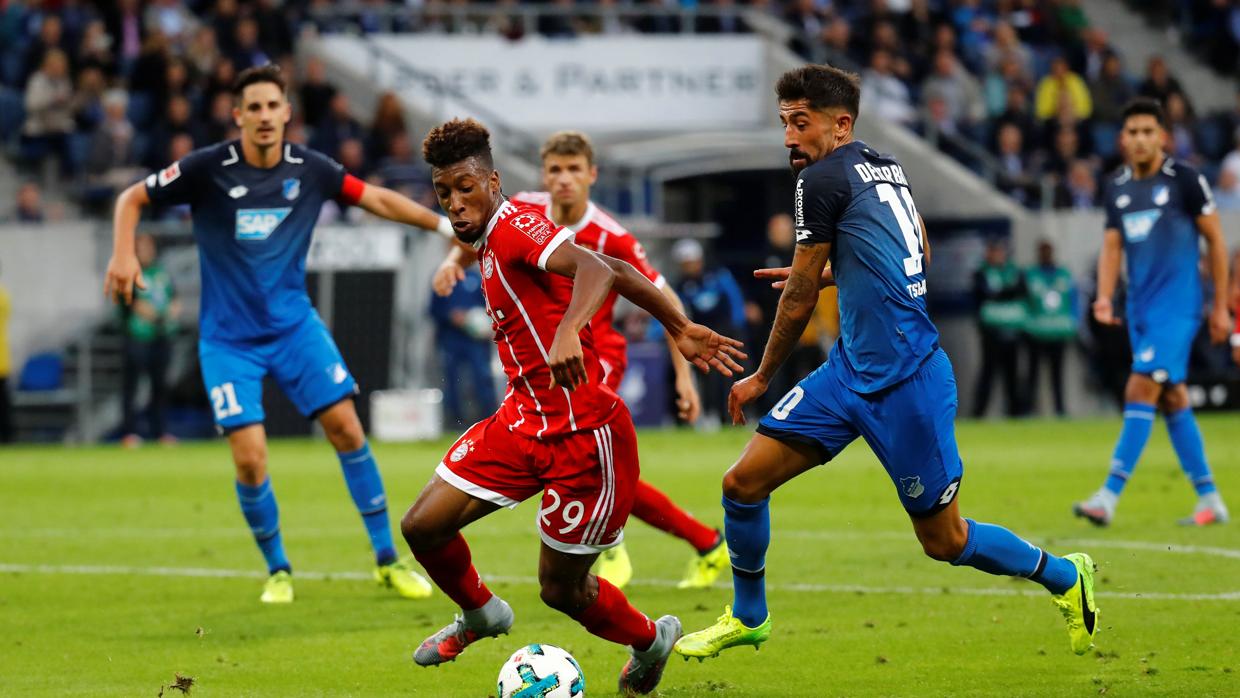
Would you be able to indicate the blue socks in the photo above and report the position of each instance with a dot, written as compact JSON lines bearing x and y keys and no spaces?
{"x":361,"y":475}
{"x":996,"y":550}
{"x":258,"y":504}
{"x":1138,"y":423}
{"x":1186,"y":439}
{"x":747,"y":528}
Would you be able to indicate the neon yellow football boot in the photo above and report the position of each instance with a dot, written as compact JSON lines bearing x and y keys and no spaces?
{"x":727,"y":632}
{"x":278,"y":589}
{"x":704,"y":569}
{"x":615,"y":567}
{"x":1077,"y":604}
{"x":401,"y":576}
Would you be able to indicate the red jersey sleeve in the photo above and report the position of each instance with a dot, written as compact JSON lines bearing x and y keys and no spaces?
{"x":627,"y":248}
{"x":530,"y":238}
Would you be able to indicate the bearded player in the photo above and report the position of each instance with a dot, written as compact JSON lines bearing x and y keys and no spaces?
{"x":561,"y":432}
{"x":254,"y":203}
{"x":886,"y":381}
{"x":568,"y":172}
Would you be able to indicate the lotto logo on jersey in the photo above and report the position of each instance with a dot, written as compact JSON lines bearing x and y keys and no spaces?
{"x":533,"y":226}
{"x":259,"y":223}
{"x":1138,"y":224}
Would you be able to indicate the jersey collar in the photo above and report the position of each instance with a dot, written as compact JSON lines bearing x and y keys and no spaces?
{"x":499,"y":213}
{"x":585,"y":217}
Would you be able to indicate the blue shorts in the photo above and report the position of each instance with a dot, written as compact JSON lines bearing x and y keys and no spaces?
{"x":304,"y":362}
{"x":1160,"y":349}
{"x":910,"y":426}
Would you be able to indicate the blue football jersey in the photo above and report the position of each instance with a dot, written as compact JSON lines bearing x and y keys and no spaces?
{"x":253,"y":228}
{"x":860,"y":202}
{"x":1157,"y":218}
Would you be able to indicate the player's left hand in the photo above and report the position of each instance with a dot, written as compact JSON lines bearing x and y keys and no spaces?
{"x":688,"y":403}
{"x":707,"y":349}
{"x":779,"y":276}
{"x":1220,"y":325}
{"x":744,"y":392}
{"x":567,"y":362}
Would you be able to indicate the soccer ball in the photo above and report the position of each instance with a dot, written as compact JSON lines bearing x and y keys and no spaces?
{"x":541,"y":671}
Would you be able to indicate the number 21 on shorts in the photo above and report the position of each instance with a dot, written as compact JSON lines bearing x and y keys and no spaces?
{"x":224,"y":401}
{"x":571,"y":515}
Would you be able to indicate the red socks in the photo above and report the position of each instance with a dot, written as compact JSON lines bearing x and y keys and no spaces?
{"x":655,"y":508}
{"x":613,"y":618}
{"x":454,"y":573}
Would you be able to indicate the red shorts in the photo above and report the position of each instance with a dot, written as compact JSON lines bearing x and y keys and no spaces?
{"x":587,"y":478}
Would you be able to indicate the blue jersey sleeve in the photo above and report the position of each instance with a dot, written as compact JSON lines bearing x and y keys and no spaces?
{"x":181,"y":182}
{"x":1194,"y":191}
{"x":328,"y":173}
{"x":821,"y":196}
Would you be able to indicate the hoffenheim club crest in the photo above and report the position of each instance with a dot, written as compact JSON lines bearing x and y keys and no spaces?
{"x":912,"y":486}
{"x":292,"y":188}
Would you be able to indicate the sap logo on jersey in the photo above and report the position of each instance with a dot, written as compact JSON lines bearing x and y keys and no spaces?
{"x":259,"y":223}
{"x":1138,"y":224}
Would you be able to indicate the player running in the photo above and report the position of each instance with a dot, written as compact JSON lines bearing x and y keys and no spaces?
{"x":887,"y":380}
{"x":254,"y":203}
{"x":568,"y":173}
{"x":1156,"y":209}
{"x":560,"y":432}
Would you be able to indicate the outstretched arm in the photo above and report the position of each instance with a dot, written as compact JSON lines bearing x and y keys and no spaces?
{"x":796,"y":307}
{"x":124,"y":272}
{"x":394,"y":206}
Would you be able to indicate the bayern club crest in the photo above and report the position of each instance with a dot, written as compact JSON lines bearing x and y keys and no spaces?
{"x":462,"y":449}
{"x":488,"y":266}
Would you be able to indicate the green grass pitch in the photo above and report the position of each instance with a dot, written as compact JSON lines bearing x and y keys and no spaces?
{"x":120,"y":570}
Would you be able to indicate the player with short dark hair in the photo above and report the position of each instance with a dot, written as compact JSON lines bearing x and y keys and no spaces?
{"x":568,"y":172}
{"x":254,"y":203}
{"x":561,"y":432}
{"x":1157,"y":209}
{"x":887,"y":380}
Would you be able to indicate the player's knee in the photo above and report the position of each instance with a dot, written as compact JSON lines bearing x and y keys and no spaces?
{"x":565,"y":596}
{"x":251,"y":465}
{"x":421,"y":532}
{"x":1173,"y":399}
{"x":345,"y":434}
{"x":746,"y":489}
{"x":944,"y":544}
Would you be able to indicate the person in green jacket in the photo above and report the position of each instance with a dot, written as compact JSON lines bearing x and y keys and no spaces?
{"x":148,"y":326}
{"x":1051,"y":323}
{"x":999,"y":289}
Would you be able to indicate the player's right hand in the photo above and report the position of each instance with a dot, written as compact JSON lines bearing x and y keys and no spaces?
{"x":446,"y":277}
{"x":779,"y":276}
{"x":744,"y":392}
{"x":124,"y":273}
{"x":707,"y":349}
{"x":1103,"y":312}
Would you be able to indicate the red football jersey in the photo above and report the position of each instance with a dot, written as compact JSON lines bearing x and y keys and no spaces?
{"x":600,"y":232}
{"x":526,"y":304}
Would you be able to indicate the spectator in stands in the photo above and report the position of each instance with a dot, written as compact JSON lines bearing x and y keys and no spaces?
{"x":1060,"y":85}
{"x":403,"y":171}
{"x":49,"y":112}
{"x":1160,"y":83}
{"x":316,"y":92}
{"x":1182,"y":140}
{"x":1079,"y":190}
{"x":837,"y":37}
{"x":353,"y":158}
{"x":1231,"y":164}
{"x":113,"y":162}
{"x":885,"y":37}
{"x":1017,"y":113}
{"x":1065,"y":150}
{"x":710,"y":296}
{"x":1016,"y":176}
{"x":1007,"y":76}
{"x":219,"y":121}
{"x":148,"y":326}
{"x":883,"y":94}
{"x":1068,"y":21}
{"x":127,"y":32}
{"x":1093,"y":54}
{"x":51,"y":38}
{"x":339,"y":126}
{"x":959,"y":92}
{"x":807,"y":17}
{"x":1007,"y":47}
{"x":1227,"y":190}
{"x":178,"y":118}
{"x":274,"y":30}
{"x":247,"y":51}
{"x":149,"y":71}
{"x":999,"y":290}
{"x":1111,"y":90}
{"x":463,"y":343}
{"x":222,"y":76}
{"x":203,"y":50}
{"x":388,"y":122}
{"x":95,"y":50}
{"x":1051,"y":325}
{"x":728,"y":21}
{"x":170,"y":18}
{"x":6,"y":367}
{"x":28,"y":205}
{"x":88,"y":99}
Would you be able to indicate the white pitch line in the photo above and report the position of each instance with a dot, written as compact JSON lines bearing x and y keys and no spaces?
{"x":216,"y":573}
